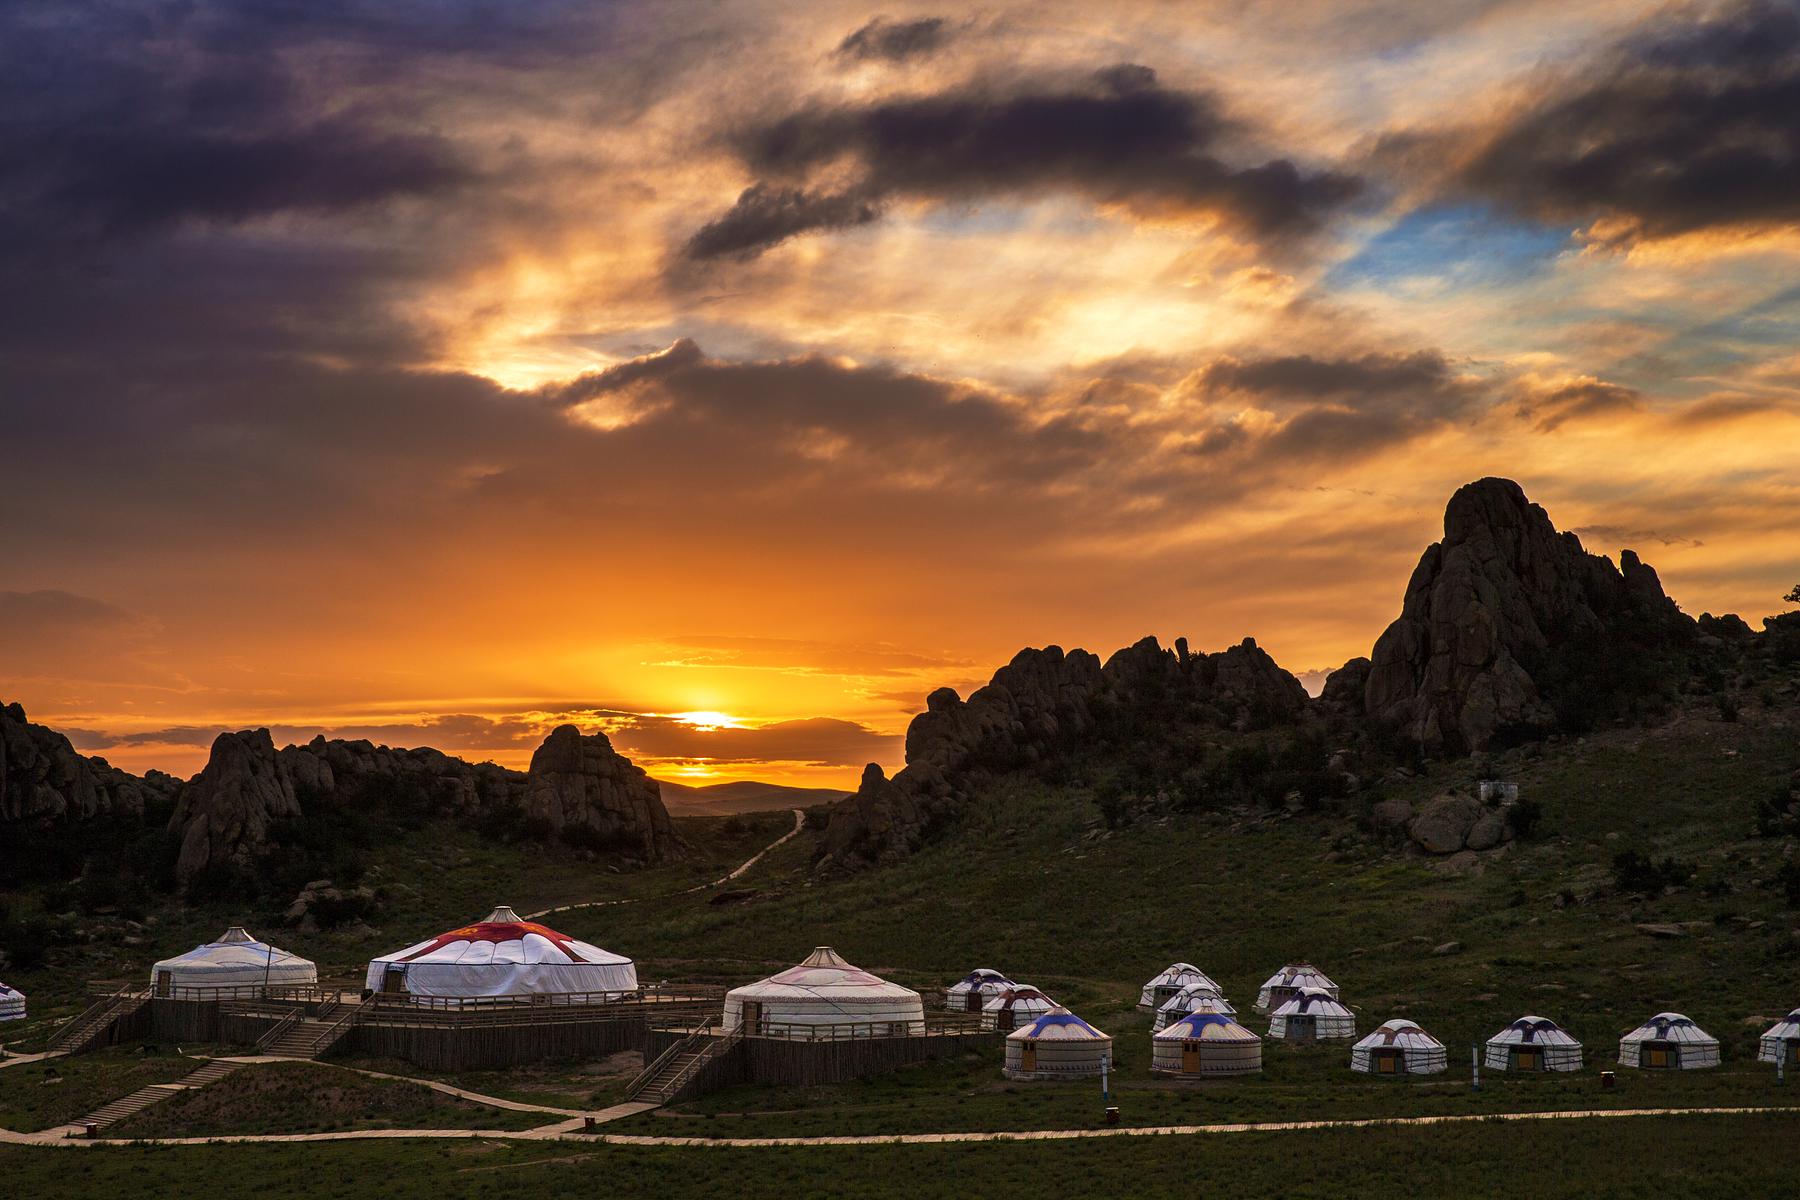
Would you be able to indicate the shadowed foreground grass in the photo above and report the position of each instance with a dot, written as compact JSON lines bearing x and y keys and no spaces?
{"x":1651,"y":1158}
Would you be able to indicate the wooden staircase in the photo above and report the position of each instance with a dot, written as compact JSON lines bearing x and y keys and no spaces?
{"x":309,"y":1037}
{"x":156,"y":1093}
{"x":92,"y":1024}
{"x":675,"y":1068}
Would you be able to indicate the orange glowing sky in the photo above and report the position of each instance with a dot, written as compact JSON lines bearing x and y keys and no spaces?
{"x":729,"y":377}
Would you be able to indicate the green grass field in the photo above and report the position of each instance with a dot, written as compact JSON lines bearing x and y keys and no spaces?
{"x":36,"y":1096}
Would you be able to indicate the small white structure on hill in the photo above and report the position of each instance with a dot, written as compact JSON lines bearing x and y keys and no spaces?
{"x":1205,"y":1045}
{"x":1533,"y":1044}
{"x":1669,"y":1041}
{"x":1174,"y":977}
{"x":1016,"y":1006}
{"x":502,"y":955}
{"x":1399,"y":1048}
{"x":824,"y":996}
{"x":1288,"y":982}
{"x":236,"y":960}
{"x":1056,"y":1045}
{"x":1314,"y":1015}
{"x":1196,"y":997}
{"x":12,"y":1004}
{"x":1781,"y":1044}
{"x":972,"y":992}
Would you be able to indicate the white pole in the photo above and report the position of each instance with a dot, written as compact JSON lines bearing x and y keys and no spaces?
{"x":1105,"y":1092}
{"x":1475,"y":1060}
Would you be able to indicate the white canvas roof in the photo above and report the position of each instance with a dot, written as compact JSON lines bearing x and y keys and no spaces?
{"x":1787,"y":1027}
{"x":503,"y":955}
{"x":1420,"y":1053}
{"x":1697,"y":1048}
{"x":1561,"y":1052}
{"x":1205,"y":1027}
{"x":824,"y":989}
{"x":1772,"y":1047}
{"x":12,"y":1004}
{"x":1292,"y":978}
{"x":1020,"y":998}
{"x":983,"y":980}
{"x":1196,"y":997}
{"x":1330,"y":1019}
{"x":236,"y":959}
{"x":1175,"y":975}
{"x":1057,"y":1025}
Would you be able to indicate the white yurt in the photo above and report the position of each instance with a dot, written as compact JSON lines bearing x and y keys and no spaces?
{"x":972,"y":992}
{"x":1669,"y":1041}
{"x":502,"y":955}
{"x":1174,"y":977}
{"x":12,"y":1004}
{"x":1204,"y":1045}
{"x":1196,"y":997}
{"x":1533,"y":1044}
{"x":825,"y":996}
{"x":236,"y":960}
{"x":1017,"y":1005}
{"x":1314,"y":1015}
{"x":1056,"y":1045}
{"x":1287,"y":983}
{"x":1399,"y":1048}
{"x":1781,"y":1044}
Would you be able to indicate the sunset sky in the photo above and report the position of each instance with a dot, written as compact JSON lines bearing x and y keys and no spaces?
{"x":437,"y":373}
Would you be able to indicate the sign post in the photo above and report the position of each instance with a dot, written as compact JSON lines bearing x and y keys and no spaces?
{"x":1475,"y":1061}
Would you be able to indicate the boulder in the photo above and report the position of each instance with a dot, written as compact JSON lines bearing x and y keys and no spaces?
{"x":1489,"y":830}
{"x":1443,"y":825}
{"x":44,"y":781}
{"x":224,"y":813}
{"x":578,"y":781}
{"x":1392,"y":816}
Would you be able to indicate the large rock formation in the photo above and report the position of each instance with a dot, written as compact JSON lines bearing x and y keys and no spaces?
{"x":1041,"y":704}
{"x":226,"y":812}
{"x":1509,"y":626}
{"x":43,"y":780}
{"x":581,"y":781}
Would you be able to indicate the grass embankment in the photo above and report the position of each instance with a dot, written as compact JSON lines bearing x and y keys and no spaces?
{"x":582,"y":1085}
{"x":313,"y":1098}
{"x":43,"y":1095}
{"x":1697,"y":1158}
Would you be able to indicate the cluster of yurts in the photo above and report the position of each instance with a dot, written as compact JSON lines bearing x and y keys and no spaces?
{"x":1195,"y":1034}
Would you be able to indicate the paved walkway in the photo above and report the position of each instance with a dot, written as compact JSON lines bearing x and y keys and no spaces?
{"x":799,"y":824}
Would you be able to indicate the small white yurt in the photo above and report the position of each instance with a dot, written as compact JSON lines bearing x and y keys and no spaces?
{"x":1174,"y":977}
{"x":1016,"y":1006}
{"x":1287,"y":983}
{"x":1196,"y":997}
{"x":1205,"y":1045}
{"x":972,"y":992}
{"x":1669,"y":1041}
{"x":1314,"y":1015}
{"x":12,"y":1004}
{"x":1399,"y":1048}
{"x":825,"y":996}
{"x":1781,"y":1044}
{"x":1056,"y":1045}
{"x":236,"y":960}
{"x":502,"y":955}
{"x":1533,"y":1044}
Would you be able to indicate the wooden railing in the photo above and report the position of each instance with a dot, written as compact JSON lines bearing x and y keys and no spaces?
{"x":712,"y":1049}
{"x":646,"y":996}
{"x":329,"y":1036}
{"x":277,"y":1030}
{"x":934,"y":1025}
{"x":681,"y":1045}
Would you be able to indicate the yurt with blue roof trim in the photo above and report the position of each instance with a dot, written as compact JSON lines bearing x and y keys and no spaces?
{"x":1057,"y":1045}
{"x":1205,"y":1046}
{"x":1174,"y":977}
{"x":12,"y":1004}
{"x":972,"y":992}
{"x":1017,"y":1005}
{"x":1196,"y":997}
{"x":1669,"y":1042}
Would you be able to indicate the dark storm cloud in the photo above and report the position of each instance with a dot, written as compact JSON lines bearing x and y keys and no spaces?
{"x":895,"y":41}
{"x":44,"y":613}
{"x":1117,"y":137}
{"x":1550,"y":408}
{"x":817,"y":741}
{"x":766,"y":215}
{"x":1692,"y":125}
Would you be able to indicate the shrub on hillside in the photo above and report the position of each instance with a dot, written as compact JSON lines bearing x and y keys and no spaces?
{"x":1634,"y":871}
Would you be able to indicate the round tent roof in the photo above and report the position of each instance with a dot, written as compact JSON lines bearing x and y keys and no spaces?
{"x":1299,"y":975}
{"x":1205,"y":1027}
{"x":504,"y":954}
{"x":983,"y":980}
{"x":1175,"y":975}
{"x":235,"y":959}
{"x":824,"y":977}
{"x":1019,"y":995}
{"x":1787,"y":1027}
{"x":1201,"y":997}
{"x":1405,"y":1035}
{"x":1539,"y":1031}
{"x":1057,"y":1025}
{"x":1314,"y":1002}
{"x":1671,"y":1027}
{"x":12,"y":1004}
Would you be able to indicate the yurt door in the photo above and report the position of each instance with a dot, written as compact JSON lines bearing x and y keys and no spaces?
{"x":165,"y":982}
{"x":972,"y":1002}
{"x":1526,"y":1059}
{"x":1659,"y":1056}
{"x":1301,"y":1029}
{"x":752,"y":1016}
{"x":394,"y":981}
{"x":1387,"y":1062}
{"x":1190,"y":1058}
{"x":1028,"y":1057}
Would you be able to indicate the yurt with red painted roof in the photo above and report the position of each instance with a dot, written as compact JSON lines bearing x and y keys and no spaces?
{"x":1018,"y":1005}
{"x":1057,"y":1045}
{"x":502,"y":955}
{"x":824,"y":997}
{"x":12,"y":1004}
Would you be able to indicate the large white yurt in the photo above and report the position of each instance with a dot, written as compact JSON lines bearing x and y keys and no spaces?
{"x":1313,"y":1015}
{"x":1669,"y":1041}
{"x":825,"y":997}
{"x":1174,"y":977}
{"x":1204,"y":1045}
{"x":12,"y":1004}
{"x":1533,"y":1044}
{"x":1017,"y":1005}
{"x":502,"y":955}
{"x":1287,"y":983}
{"x":1781,"y":1044}
{"x":1196,"y":997}
{"x":1399,"y":1048}
{"x":972,"y":992}
{"x":236,"y":960}
{"x":1056,"y":1045}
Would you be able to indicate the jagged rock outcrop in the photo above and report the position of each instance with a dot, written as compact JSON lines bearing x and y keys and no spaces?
{"x":43,"y":779}
{"x":580,"y":780}
{"x":225,"y":812}
{"x":1040,"y":704}
{"x":1499,"y":620}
